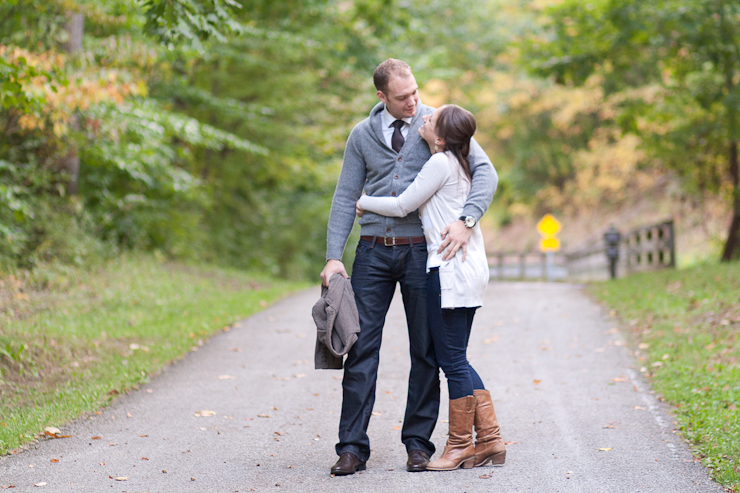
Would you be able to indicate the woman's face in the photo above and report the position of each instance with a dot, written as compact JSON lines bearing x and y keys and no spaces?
{"x":428,"y":130}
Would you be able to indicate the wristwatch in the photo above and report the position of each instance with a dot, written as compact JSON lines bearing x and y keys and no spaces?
{"x":468,"y":220}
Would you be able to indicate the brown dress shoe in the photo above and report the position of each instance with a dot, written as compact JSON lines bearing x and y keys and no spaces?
{"x":347,"y":464}
{"x":418,"y":460}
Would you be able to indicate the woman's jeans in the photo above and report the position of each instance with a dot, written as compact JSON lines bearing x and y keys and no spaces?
{"x":450,"y":329}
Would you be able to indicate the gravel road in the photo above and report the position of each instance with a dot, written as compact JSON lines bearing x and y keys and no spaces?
{"x":571,"y":402}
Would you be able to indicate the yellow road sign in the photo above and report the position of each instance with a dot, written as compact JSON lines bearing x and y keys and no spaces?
{"x":549,"y":244}
{"x":548,"y":225}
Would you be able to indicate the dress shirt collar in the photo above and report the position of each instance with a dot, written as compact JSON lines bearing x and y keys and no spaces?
{"x":388,"y":119}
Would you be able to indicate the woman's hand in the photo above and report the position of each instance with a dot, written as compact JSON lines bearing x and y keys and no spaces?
{"x":358,"y":211}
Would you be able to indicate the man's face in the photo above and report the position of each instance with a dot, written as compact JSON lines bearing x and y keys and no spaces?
{"x":402,"y":96}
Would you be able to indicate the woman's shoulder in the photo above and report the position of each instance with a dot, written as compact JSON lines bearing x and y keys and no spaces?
{"x":438,"y":160}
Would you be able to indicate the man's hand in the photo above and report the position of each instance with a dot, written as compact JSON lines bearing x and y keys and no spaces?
{"x":455,"y":236}
{"x":358,"y":211}
{"x":333,"y":267}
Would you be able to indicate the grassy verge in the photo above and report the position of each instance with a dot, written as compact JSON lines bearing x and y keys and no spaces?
{"x":685,"y":328}
{"x":71,"y":340}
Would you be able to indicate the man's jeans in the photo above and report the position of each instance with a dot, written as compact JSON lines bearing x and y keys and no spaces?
{"x":375,"y":272}
{"x":450,"y":329}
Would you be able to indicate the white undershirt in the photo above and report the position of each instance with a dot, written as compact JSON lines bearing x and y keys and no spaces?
{"x":388,"y":128}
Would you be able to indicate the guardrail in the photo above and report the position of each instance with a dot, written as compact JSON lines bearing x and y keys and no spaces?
{"x":526,"y":265}
{"x":646,"y":248}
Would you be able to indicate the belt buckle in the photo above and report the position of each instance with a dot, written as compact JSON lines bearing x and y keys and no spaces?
{"x":385,"y":241}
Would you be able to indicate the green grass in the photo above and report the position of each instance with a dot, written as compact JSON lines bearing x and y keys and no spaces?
{"x":684,"y":326}
{"x":70,"y":340}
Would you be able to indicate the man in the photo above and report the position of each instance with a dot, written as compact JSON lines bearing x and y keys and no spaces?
{"x":384,"y":153}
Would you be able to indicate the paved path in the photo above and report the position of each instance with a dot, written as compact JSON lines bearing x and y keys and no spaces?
{"x":563,"y":384}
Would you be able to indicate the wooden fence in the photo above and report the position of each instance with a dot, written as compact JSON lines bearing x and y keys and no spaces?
{"x":646,"y":248}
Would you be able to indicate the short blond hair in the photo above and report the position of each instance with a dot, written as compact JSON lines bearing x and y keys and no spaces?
{"x":386,"y":70}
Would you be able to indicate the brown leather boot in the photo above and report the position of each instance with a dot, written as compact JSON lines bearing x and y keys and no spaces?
{"x":459,"y":449}
{"x":489,"y":446}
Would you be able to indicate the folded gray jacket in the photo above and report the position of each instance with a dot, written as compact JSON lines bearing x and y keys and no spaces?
{"x":337,"y":323}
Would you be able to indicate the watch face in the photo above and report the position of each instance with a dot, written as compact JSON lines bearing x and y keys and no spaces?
{"x":469,"y":221}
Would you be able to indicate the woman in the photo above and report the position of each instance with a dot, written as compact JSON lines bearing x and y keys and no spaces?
{"x":455,"y":287}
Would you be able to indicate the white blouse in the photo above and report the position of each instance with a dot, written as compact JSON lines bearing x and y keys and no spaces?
{"x":439,"y":192}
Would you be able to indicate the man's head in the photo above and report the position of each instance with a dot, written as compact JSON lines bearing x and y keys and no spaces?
{"x":397,"y":88}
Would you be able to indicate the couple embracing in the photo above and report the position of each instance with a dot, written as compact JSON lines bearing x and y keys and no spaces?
{"x":408,"y":156}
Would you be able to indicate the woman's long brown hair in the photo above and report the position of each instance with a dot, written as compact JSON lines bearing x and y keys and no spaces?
{"x":457,"y":126}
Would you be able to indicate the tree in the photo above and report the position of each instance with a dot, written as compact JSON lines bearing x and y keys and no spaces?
{"x":691,"y":49}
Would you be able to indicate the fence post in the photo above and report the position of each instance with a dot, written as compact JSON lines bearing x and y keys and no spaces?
{"x":671,"y":244}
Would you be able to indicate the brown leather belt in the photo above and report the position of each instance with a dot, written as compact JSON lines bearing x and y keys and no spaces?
{"x":394,"y":240}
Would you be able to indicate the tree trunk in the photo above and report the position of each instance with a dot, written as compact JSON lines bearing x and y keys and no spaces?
{"x":75,"y":24}
{"x":732,"y":246}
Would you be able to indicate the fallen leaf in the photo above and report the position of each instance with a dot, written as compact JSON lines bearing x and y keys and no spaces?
{"x":205,"y":413}
{"x":234,"y":349}
{"x":226,"y":377}
{"x":619,"y":379}
{"x":485,"y":476}
{"x":396,"y":427}
{"x":606,"y":449}
{"x":121,"y":478}
{"x":51,"y":431}
{"x":537,"y":382}
{"x":610,"y":427}
{"x":144,"y":458}
{"x":264,"y":416}
{"x":376,"y":413}
{"x":143,"y":436}
{"x":299,"y":375}
{"x":54,"y":460}
{"x":657,"y":364}
{"x":40,"y":484}
{"x":128,"y":415}
{"x":639,"y":408}
{"x":490,"y":340}
{"x":133,"y":347}
{"x":95,"y":438}
{"x":643,"y":345}
{"x":724,"y":322}
{"x":511,"y":443}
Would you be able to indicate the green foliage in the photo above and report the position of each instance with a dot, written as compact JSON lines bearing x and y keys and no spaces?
{"x":684,"y":326}
{"x":190,"y":21}
{"x":691,"y":50}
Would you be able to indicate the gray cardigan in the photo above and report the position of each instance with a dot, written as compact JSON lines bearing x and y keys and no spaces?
{"x":370,"y":164}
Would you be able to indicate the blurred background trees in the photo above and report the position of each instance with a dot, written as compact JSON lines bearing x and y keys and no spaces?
{"x":213,"y":130}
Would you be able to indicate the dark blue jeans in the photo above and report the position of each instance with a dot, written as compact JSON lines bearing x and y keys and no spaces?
{"x":451,"y":332}
{"x":375,"y":272}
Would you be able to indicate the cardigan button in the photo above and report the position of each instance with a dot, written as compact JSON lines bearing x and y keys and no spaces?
{"x":393,"y":194}
{"x":395,"y":177}
{"x":399,"y":158}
